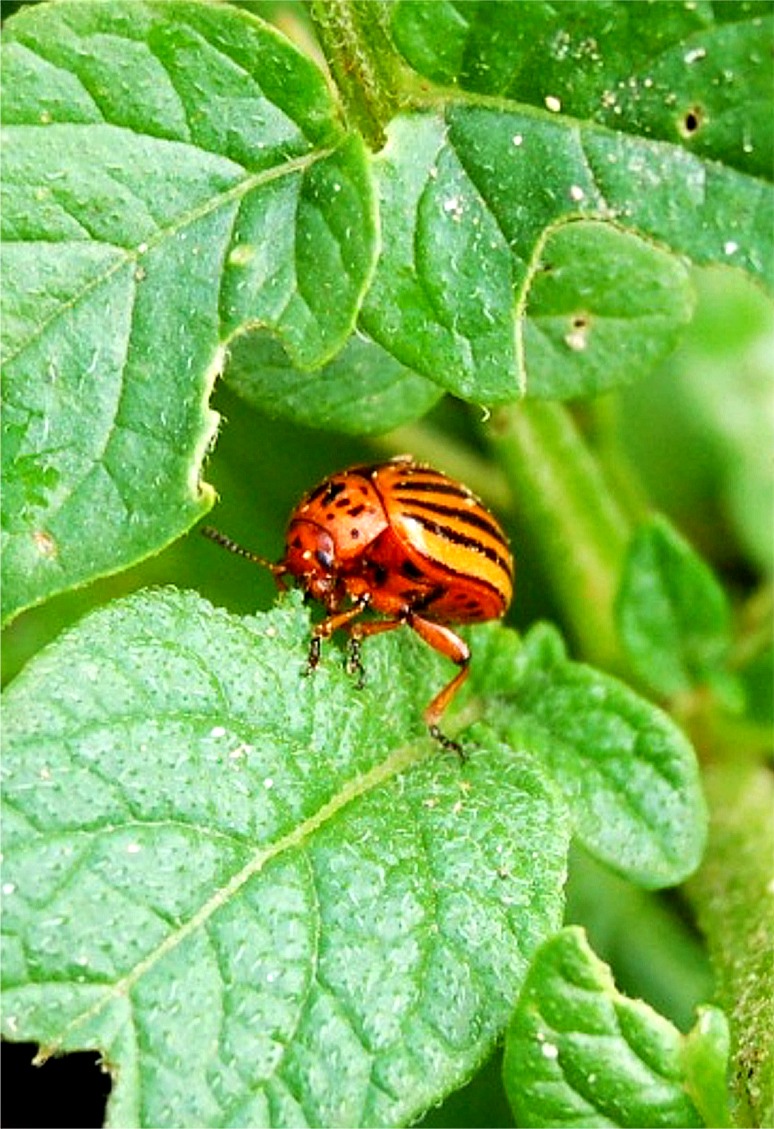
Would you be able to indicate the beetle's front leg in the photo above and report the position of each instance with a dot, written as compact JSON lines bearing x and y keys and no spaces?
{"x":330,"y":624}
{"x":357,"y":633}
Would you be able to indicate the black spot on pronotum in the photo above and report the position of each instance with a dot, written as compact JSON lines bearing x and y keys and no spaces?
{"x":332,"y":490}
{"x":411,"y":571}
{"x":354,"y":534}
{"x":691,"y":121}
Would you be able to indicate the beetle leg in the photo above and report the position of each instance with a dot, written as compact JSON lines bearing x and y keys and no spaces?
{"x":325,"y":629}
{"x":444,"y":640}
{"x":359,"y":631}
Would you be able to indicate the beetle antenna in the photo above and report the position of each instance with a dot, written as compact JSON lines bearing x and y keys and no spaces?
{"x":233,"y":547}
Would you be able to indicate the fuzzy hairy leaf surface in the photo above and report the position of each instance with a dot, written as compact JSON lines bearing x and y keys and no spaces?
{"x":266,"y":899}
{"x":626,"y":770}
{"x":361,"y":391}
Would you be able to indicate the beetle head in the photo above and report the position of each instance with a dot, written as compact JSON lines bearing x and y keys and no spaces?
{"x":310,"y":556}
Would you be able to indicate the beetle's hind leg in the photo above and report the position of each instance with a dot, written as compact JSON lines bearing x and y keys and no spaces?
{"x":444,"y":640}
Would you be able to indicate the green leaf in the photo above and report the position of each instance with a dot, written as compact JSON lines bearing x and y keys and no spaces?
{"x":705,"y":1062}
{"x":363,"y":391}
{"x":672,"y":613}
{"x":579,"y":1053}
{"x":442,"y":297}
{"x":266,"y":899}
{"x":151,"y":148}
{"x":626,"y":770}
{"x":582,"y":310}
{"x":468,"y":197}
{"x":633,"y":67}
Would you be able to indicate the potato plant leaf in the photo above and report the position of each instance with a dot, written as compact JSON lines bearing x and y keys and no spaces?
{"x":580,"y":1053}
{"x":695,"y":75}
{"x":626,"y":770}
{"x":172,"y":172}
{"x":672,"y":613}
{"x":582,"y":310}
{"x":362,"y":391}
{"x":266,"y":899}
{"x":470,"y":194}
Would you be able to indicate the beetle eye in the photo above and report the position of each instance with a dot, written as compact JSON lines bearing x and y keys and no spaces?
{"x":324,"y":559}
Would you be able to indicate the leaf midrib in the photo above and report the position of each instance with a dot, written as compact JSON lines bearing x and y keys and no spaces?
{"x":401,"y":759}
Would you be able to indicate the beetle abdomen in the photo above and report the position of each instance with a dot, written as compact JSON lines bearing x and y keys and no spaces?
{"x":452,"y":539}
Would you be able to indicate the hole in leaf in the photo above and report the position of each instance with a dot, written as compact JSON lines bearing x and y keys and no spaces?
{"x":65,"y":1092}
{"x":691,"y":122}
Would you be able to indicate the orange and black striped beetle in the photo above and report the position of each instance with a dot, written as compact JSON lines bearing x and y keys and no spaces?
{"x":404,"y":540}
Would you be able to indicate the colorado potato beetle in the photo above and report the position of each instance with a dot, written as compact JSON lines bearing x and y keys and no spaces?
{"x":404,"y":540}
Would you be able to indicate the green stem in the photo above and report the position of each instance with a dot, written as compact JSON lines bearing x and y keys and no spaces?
{"x":733,"y":895}
{"x":363,"y":62}
{"x":571,"y":515}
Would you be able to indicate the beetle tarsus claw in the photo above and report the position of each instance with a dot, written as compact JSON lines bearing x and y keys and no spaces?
{"x":313,"y":660}
{"x":354,"y":665}
{"x":447,"y":743}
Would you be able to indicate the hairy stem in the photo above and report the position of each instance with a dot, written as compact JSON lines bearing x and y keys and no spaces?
{"x":733,"y":895}
{"x":363,"y":62}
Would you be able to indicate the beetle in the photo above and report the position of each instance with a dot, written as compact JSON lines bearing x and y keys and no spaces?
{"x":404,"y":540}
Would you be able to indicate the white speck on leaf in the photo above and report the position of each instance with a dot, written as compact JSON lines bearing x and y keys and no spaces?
{"x":730,"y":247}
{"x":694,"y":55}
{"x":8,"y":887}
{"x":576,"y":192}
{"x":577,"y":340}
{"x":218,"y":731}
{"x":550,"y":1050}
{"x":552,"y":103}
{"x":133,"y":849}
{"x":268,"y":783}
{"x":517,"y":139}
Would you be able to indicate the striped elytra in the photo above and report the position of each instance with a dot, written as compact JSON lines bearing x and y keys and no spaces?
{"x":403,"y":540}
